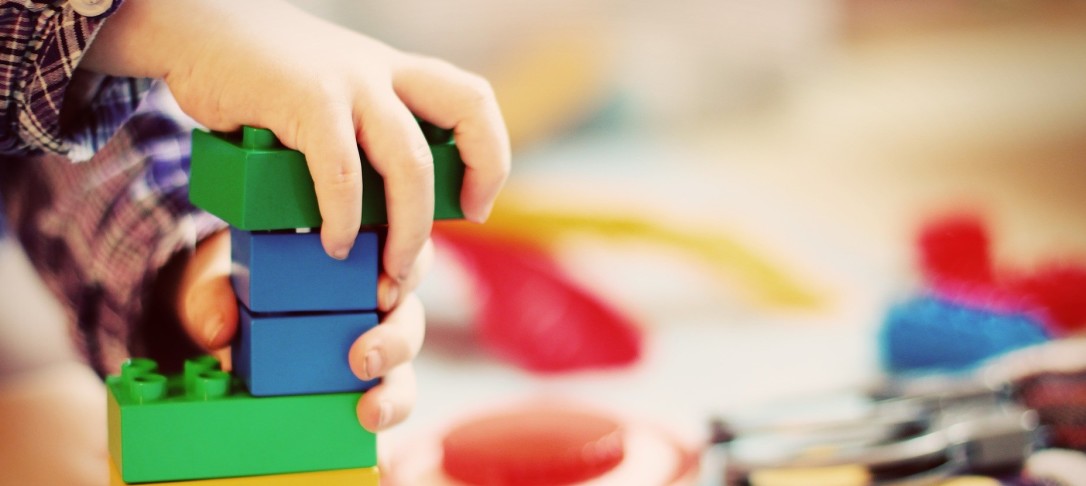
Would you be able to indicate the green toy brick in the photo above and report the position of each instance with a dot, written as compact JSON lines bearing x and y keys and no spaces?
{"x":202,"y":424}
{"x":365,"y":476}
{"x":251,"y":181}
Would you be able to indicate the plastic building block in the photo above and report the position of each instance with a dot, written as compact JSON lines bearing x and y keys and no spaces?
{"x":254,"y":183}
{"x":291,"y":354}
{"x":202,"y":424}
{"x":289,"y":272}
{"x":367,"y":476}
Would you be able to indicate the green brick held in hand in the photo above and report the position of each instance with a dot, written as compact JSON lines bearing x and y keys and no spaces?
{"x":202,"y":424}
{"x":251,"y":181}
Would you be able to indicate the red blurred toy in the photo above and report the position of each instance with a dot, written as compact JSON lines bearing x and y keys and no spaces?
{"x":955,"y":257}
{"x":532,"y":314}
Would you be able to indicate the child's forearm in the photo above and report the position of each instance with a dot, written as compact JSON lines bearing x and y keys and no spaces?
{"x":151,"y":38}
{"x":128,"y":44}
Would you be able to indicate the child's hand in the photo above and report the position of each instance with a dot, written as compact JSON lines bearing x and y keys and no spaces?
{"x":323,"y":90}
{"x":207,"y":308}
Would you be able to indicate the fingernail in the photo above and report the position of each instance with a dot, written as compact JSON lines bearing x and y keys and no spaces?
{"x":212,"y":328}
{"x":385,"y":416}
{"x":373,"y":364}
{"x":389,"y":295}
{"x":481,"y":215}
{"x":341,"y":254}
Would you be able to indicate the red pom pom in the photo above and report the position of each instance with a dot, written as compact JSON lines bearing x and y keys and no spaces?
{"x":956,"y":262}
{"x":1059,"y":289}
{"x":955,"y":249}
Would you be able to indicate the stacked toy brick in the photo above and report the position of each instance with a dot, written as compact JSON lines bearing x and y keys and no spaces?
{"x":287,"y":413}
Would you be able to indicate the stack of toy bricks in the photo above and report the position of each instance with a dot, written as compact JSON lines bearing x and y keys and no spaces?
{"x":286,"y":416}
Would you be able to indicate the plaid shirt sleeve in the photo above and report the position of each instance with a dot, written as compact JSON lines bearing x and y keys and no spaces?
{"x":42,"y":44}
{"x":99,"y":232}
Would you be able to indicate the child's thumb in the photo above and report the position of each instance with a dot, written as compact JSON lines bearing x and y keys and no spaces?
{"x":211,"y":313}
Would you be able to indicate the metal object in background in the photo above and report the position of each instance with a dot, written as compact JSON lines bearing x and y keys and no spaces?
{"x":902,"y":432}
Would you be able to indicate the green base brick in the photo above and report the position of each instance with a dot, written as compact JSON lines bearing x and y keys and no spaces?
{"x":202,"y":424}
{"x":251,"y":181}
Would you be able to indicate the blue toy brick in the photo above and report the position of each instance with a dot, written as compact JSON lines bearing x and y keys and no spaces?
{"x":293,"y":354}
{"x":290,"y":272}
{"x":927,"y":333}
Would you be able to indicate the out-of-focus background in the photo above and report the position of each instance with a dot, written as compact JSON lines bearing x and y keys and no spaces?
{"x":807,"y":140}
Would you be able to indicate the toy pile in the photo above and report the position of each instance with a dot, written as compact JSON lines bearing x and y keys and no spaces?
{"x":985,"y":385}
{"x":970,"y":310}
{"x":287,"y":414}
{"x":1011,"y":332}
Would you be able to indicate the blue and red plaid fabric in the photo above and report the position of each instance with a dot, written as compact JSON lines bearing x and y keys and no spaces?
{"x":43,"y":43}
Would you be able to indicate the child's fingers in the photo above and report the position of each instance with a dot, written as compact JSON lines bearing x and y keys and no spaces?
{"x":393,"y":342}
{"x":326,"y":137}
{"x":211,"y":312}
{"x":395,"y":146}
{"x":449,"y":97}
{"x":390,"y":402}
{"x":389,"y":291}
{"x":206,"y":304}
{"x":386,"y":351}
